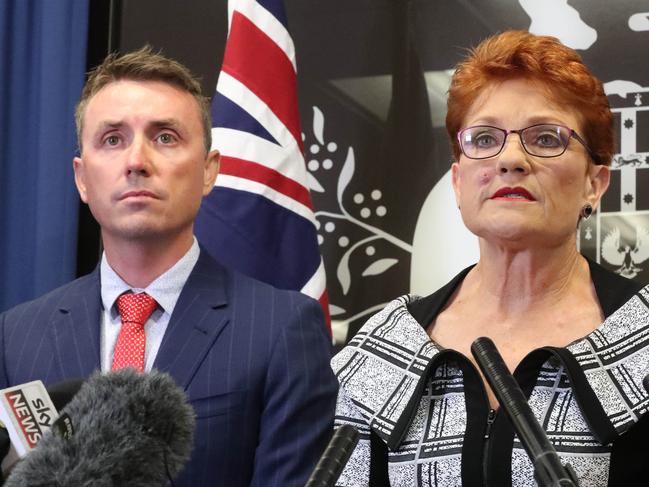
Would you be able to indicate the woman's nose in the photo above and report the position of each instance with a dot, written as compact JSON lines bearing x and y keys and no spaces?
{"x":513,"y":157}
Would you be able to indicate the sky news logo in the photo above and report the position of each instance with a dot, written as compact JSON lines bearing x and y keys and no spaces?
{"x":32,"y":414}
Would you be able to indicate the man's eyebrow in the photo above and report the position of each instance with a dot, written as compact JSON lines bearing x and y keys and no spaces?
{"x":167,"y":122}
{"x":156,"y":124}
{"x":105,"y":126}
{"x":109,"y":124}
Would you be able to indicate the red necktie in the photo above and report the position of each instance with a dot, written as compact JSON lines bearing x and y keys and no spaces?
{"x":134,"y":309}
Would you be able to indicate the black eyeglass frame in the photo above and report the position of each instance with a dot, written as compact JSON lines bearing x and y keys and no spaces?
{"x":573,"y":134}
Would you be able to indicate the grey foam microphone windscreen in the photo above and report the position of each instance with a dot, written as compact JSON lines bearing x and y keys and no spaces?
{"x":122,"y":428}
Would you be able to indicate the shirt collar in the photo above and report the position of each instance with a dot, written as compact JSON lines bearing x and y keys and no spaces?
{"x":165,"y":289}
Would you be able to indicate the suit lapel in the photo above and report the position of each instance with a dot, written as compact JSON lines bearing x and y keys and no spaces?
{"x":75,"y":328}
{"x":198,"y":318}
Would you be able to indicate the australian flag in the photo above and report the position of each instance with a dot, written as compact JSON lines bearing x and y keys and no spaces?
{"x":259,"y":219}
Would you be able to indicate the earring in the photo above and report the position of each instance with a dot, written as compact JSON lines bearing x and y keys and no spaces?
{"x":586,"y":211}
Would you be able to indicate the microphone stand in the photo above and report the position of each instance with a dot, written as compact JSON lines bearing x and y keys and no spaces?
{"x":335,"y":457}
{"x":548,"y":469}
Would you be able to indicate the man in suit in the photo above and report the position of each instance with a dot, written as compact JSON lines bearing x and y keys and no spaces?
{"x":253,"y":360}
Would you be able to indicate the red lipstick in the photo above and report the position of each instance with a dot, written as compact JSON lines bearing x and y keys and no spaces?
{"x":513,"y":194}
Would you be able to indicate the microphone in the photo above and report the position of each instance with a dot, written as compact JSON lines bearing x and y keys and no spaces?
{"x":62,"y":392}
{"x":59,"y":394}
{"x":645,"y":382}
{"x":333,"y":460}
{"x":122,"y":428}
{"x":26,"y":412}
{"x":5,"y":443}
{"x":548,"y":469}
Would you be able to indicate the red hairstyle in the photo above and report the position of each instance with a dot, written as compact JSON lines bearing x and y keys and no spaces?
{"x":543,"y":59}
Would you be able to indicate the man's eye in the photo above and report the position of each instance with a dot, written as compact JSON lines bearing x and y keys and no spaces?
{"x":166,"y":138}
{"x":112,"y":140}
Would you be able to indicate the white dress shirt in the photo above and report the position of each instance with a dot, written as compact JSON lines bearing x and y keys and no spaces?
{"x":165,"y":290}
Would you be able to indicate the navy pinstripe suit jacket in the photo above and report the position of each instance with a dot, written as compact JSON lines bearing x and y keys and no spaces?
{"x":253,"y":360}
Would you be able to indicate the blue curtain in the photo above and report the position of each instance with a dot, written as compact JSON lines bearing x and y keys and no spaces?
{"x":42,"y":64}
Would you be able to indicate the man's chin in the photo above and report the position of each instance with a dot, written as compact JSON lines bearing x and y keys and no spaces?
{"x":139,"y":233}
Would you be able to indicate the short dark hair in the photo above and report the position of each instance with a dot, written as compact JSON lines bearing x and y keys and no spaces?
{"x":144,"y":65}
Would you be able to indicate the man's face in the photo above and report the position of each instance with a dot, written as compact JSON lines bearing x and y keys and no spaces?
{"x":143,"y":169}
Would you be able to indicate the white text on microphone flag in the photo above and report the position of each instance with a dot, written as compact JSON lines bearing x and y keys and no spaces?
{"x":27,"y":413}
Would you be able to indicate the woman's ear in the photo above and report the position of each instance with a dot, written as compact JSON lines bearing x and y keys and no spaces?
{"x":455,"y":181}
{"x":599,"y":177}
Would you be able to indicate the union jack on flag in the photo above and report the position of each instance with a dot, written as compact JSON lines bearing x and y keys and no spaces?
{"x":259,"y":218}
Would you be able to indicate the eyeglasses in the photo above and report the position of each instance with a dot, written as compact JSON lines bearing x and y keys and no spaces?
{"x":541,"y":140}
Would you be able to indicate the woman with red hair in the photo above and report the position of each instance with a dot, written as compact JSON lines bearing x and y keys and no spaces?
{"x":532,"y":138}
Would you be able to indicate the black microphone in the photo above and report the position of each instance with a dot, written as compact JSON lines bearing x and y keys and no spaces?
{"x":122,"y":428}
{"x":335,"y":457}
{"x":5,"y":444}
{"x":645,"y":382}
{"x":548,"y":469}
{"x":61,"y":393}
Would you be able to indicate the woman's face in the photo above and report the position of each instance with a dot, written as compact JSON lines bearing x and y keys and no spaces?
{"x":517,"y":199}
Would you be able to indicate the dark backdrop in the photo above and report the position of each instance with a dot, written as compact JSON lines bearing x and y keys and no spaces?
{"x":374,"y":73}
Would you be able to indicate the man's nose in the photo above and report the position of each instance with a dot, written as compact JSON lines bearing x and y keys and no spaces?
{"x":513,"y":157}
{"x":138,"y":158}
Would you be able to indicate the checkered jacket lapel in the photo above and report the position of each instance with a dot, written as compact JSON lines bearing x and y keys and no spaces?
{"x":383,"y":369}
{"x":615,"y":359}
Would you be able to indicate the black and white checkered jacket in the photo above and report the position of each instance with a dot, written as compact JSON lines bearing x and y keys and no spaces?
{"x":422,"y":410}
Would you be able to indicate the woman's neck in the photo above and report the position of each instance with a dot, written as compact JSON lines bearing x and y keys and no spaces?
{"x":518,"y":281}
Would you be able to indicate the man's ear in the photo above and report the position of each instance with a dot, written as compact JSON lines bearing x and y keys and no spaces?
{"x":599,"y":177}
{"x":79,"y":178}
{"x":212,"y":163}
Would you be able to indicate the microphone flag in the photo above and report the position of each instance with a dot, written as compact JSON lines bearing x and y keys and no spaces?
{"x":259,"y":218}
{"x":27,"y":412}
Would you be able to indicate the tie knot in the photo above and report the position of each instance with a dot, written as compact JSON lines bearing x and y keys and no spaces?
{"x":135,"y":308}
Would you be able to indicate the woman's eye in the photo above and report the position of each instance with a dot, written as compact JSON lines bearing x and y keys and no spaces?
{"x":485,"y":140}
{"x":548,"y":140}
